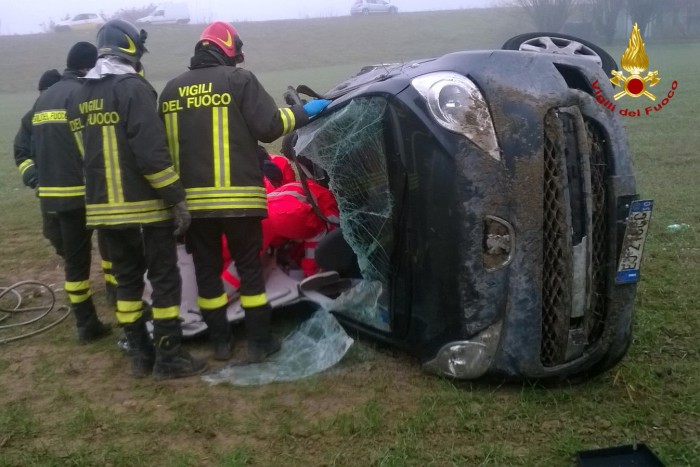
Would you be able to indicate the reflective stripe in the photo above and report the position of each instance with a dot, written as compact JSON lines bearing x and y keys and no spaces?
{"x":169,"y":312}
{"x":288,"y":120}
{"x":110,"y":279}
{"x":79,"y":141}
{"x":171,"y":130}
{"x":220,"y":137}
{"x":279,"y":194}
{"x":106,"y":264}
{"x":79,"y":298}
{"x":49,"y":116}
{"x":207,"y":204}
{"x":252,"y":301}
{"x":25,"y":165}
{"x":112,"y":169}
{"x":130,"y":317}
{"x":141,"y":212}
{"x":228,"y":277}
{"x":126,"y":306}
{"x":76,"y":286}
{"x":127,"y":207}
{"x":61,"y":191}
{"x":128,"y":218}
{"x":212,"y":303}
{"x":227,"y":191}
{"x":285,"y":122}
{"x":162,"y":178}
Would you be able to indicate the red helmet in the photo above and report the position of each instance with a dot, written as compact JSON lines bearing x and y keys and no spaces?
{"x":225,"y":37}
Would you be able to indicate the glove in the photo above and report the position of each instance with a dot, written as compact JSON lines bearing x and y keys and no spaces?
{"x":315,"y":107}
{"x":30,"y":177}
{"x":272,"y":173}
{"x":182,"y":218}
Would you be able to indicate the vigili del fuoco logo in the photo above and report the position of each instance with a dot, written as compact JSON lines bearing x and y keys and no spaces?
{"x":634,"y":61}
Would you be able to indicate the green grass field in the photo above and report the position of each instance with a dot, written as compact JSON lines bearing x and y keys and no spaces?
{"x":61,"y":404}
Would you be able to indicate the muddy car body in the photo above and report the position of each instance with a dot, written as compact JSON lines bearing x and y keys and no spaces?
{"x":485,"y":195}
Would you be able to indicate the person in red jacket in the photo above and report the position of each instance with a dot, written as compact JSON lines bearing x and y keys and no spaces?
{"x":291,"y":216}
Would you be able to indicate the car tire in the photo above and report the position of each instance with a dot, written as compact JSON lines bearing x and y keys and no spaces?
{"x":532,"y":41}
{"x":393,"y":11}
{"x":365,"y":12}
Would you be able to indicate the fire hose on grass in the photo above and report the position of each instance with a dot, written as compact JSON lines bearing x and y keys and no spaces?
{"x":16,"y":309}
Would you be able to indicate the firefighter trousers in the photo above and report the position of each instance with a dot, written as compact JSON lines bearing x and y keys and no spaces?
{"x":244,"y":240}
{"x":152,"y":250}
{"x":110,"y":280}
{"x":76,"y":246}
{"x":51,"y":228}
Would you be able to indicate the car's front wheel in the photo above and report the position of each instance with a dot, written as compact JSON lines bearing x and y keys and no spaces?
{"x":563,"y":44}
{"x":393,"y":11}
{"x":365,"y":12}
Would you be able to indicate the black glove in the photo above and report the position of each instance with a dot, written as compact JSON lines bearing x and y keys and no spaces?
{"x":30,"y":177}
{"x":182,"y":218}
{"x":272,"y":173}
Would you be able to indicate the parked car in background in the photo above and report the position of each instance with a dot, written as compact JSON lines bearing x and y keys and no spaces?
{"x":369,"y":7}
{"x":80,"y":22}
{"x":167,"y":13}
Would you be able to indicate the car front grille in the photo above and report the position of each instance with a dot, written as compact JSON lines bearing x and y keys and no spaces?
{"x":599,"y":172}
{"x":574,"y":236}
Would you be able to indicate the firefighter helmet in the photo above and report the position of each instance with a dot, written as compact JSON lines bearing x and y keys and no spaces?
{"x":225,"y":37}
{"x":123,"y":39}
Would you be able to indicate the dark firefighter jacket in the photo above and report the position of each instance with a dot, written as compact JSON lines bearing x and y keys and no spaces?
{"x":214,"y":117}
{"x":130,"y":179}
{"x":23,"y":146}
{"x":56,"y":153}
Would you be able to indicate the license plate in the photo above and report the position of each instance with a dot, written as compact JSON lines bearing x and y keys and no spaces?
{"x":633,"y":243}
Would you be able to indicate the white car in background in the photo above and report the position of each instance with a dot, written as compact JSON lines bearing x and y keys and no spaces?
{"x":80,"y":22}
{"x":167,"y":13}
{"x":369,"y":7}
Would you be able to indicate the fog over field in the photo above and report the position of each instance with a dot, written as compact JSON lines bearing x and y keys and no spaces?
{"x":28,"y":17}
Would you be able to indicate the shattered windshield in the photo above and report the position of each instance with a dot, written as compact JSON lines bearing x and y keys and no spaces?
{"x":350,"y":146}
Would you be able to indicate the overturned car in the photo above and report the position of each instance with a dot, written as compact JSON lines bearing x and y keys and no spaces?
{"x":485,"y":196}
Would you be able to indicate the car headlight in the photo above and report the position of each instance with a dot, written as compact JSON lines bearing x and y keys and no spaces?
{"x":468,"y":359}
{"x":457,"y":104}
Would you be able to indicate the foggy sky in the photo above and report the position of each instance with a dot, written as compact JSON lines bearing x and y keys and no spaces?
{"x":23,"y":17}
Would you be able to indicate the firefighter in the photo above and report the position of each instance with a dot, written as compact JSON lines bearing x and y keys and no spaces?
{"x":24,"y":159}
{"x":215,"y":114}
{"x":61,"y":187}
{"x":134,"y":195}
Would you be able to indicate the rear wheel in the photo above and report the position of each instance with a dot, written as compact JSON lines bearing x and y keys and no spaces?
{"x":562,"y":44}
{"x":393,"y":10}
{"x":365,"y":12}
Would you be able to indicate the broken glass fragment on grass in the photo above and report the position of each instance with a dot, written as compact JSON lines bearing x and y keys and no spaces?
{"x":317,"y":344}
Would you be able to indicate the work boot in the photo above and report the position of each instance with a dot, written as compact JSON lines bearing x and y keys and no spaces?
{"x":140,"y":348}
{"x":172,"y":361}
{"x":261,"y":342}
{"x":89,"y":326}
{"x":219,"y":333}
